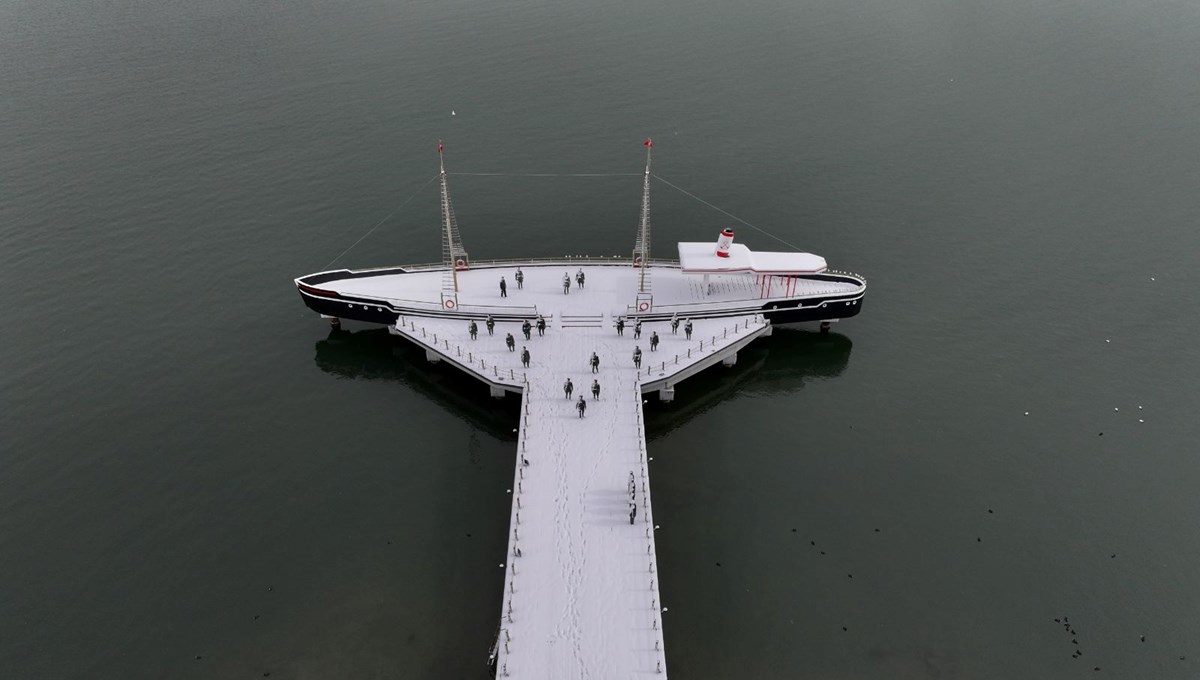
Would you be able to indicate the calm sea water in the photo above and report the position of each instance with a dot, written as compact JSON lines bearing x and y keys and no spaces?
{"x":197,"y":480}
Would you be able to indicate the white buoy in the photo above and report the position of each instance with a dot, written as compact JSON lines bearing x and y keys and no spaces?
{"x":1116,"y":409}
{"x":1140,"y":420}
{"x":1027,"y":413}
{"x":452,"y":113}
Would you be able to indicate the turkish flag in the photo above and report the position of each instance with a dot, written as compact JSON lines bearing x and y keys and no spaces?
{"x":648,"y":143}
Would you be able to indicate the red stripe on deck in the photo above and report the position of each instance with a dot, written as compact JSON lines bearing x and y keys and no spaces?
{"x":317,"y":291}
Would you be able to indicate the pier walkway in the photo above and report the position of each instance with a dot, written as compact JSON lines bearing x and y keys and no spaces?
{"x":581,"y":595}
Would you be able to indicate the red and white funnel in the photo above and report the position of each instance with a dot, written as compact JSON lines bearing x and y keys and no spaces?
{"x":724,"y":242}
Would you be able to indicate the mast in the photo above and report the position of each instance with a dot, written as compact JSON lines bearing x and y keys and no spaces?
{"x":641,"y":247}
{"x":454,"y":256}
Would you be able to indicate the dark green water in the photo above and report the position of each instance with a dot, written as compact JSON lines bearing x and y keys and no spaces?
{"x":196,"y":482}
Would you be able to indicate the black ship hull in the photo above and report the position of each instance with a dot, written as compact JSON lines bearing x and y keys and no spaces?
{"x":779,"y":310}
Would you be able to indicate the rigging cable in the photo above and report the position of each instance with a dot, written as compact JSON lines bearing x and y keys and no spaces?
{"x":590,"y":174}
{"x":725,"y":212}
{"x":380,"y":223}
{"x":544,"y":174}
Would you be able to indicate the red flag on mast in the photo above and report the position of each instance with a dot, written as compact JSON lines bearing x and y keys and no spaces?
{"x":439,"y":147}
{"x":648,"y":143}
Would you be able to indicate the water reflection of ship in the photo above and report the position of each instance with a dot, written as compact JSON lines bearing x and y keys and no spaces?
{"x":783,"y":363}
{"x":373,"y":354}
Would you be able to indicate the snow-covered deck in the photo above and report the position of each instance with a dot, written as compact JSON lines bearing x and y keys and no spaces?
{"x":581,"y":593}
{"x":610,"y":289}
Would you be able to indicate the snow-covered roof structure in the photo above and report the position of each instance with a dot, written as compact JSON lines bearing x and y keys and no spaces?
{"x":701,"y":258}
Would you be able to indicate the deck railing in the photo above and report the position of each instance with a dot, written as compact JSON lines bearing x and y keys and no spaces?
{"x":454,"y":353}
{"x":501,"y":262}
{"x":735,"y":329}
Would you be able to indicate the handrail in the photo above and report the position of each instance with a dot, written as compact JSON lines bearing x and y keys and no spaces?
{"x":840,"y":272}
{"x":561,"y":259}
{"x":758,"y":319}
{"x":530,"y":311}
{"x":465,"y":360}
{"x":701,"y":306}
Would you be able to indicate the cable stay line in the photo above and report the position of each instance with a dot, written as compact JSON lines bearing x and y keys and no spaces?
{"x":544,"y":174}
{"x":726,"y":212}
{"x":380,"y":223}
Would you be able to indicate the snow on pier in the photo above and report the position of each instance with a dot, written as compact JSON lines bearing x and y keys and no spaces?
{"x":581,"y":591}
{"x":581,"y":595}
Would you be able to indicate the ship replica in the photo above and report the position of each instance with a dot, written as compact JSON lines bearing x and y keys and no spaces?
{"x":581,"y":591}
{"x":707,"y":280}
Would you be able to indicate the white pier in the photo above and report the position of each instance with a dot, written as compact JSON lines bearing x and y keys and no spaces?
{"x":581,"y":595}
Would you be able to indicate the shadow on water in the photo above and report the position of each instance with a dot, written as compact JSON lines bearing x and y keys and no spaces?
{"x":783,"y":363}
{"x":374,"y":354}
